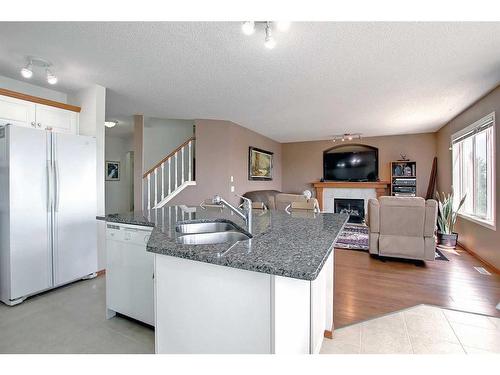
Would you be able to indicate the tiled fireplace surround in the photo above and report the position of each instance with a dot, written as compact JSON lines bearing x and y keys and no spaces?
{"x":330,"y":194}
{"x":326,"y":192}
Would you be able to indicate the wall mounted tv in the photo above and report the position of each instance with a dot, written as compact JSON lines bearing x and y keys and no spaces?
{"x":350,"y":163}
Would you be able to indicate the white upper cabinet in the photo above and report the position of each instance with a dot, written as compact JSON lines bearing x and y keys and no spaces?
{"x":17,"y":112}
{"x":60,"y":120}
{"x":40,"y":116}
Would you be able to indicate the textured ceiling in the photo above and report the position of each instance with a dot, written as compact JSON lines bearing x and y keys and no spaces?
{"x":321,"y":79}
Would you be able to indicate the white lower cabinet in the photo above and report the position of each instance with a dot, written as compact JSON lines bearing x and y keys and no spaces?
{"x":206,"y":308}
{"x":129,"y":272}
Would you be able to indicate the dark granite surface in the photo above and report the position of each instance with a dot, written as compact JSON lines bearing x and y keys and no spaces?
{"x":292,"y":245}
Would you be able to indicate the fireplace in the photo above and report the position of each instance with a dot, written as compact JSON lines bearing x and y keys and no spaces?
{"x":354,"y":207}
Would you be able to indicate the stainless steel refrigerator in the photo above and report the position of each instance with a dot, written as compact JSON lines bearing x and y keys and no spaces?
{"x":48,"y":232}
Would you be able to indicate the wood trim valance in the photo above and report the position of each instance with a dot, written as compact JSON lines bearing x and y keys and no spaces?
{"x":36,"y":99}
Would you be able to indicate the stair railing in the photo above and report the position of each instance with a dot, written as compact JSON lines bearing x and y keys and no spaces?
{"x":169,"y":176}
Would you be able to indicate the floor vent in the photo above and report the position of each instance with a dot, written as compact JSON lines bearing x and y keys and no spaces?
{"x":482,"y":270}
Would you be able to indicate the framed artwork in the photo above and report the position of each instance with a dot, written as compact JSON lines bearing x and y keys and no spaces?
{"x":260,"y":164}
{"x":113,"y":171}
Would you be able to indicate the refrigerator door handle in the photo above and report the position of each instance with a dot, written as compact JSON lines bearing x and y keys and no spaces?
{"x":49,"y":186}
{"x":56,"y":186}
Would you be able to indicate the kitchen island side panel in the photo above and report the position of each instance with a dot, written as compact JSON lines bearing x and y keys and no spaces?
{"x":206,"y":308}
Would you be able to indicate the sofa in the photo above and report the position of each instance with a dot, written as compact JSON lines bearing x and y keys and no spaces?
{"x":274,"y":199}
{"x":402,"y":227}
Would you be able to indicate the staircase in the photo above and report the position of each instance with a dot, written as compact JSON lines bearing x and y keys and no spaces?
{"x":170,"y":176}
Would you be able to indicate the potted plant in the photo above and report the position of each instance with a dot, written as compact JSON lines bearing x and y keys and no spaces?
{"x":446,"y":219}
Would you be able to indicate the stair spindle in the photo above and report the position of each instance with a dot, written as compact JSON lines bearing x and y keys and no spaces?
{"x":190,"y":159}
{"x":156,"y":186}
{"x":182,"y":167}
{"x":149,"y":191}
{"x":176,"y":168}
{"x":162,"y":180}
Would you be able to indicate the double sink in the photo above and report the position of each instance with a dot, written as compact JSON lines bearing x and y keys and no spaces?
{"x":209,"y":233}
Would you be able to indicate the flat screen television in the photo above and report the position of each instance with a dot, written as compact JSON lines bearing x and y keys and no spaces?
{"x":350,"y":163}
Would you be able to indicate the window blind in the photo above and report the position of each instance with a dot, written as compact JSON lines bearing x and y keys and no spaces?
{"x":483,"y":124}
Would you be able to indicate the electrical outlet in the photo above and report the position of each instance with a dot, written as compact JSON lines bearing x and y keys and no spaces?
{"x":232,"y":189}
{"x":232,"y":179}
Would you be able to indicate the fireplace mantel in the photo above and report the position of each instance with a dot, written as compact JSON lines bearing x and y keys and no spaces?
{"x":381,"y":187}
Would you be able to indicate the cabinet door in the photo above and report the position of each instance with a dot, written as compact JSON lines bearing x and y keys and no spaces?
{"x":17,"y":112}
{"x":61,"y":120}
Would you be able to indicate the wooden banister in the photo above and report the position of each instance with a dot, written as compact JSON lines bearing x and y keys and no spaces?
{"x":151,"y":170}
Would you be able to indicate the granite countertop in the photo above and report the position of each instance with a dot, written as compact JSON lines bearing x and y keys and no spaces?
{"x":292,"y":245}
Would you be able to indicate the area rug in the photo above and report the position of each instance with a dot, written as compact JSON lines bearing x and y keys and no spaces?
{"x":355,"y":237}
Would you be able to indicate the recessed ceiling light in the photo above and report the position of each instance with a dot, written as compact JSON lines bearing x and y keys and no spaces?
{"x":110,"y":124}
{"x":283,"y":25}
{"x":248,"y":27}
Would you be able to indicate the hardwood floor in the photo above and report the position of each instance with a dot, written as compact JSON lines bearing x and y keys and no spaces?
{"x":367,"y":287}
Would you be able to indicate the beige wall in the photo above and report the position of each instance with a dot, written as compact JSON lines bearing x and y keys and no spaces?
{"x":222,"y":152}
{"x":484,"y":241}
{"x":303,"y":161}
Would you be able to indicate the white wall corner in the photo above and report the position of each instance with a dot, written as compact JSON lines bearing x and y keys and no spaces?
{"x":92,"y":101}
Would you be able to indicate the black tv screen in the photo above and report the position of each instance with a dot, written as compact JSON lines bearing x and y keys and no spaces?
{"x":350,"y":165}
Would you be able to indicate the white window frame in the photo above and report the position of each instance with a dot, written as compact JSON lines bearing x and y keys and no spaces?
{"x":470,"y":131}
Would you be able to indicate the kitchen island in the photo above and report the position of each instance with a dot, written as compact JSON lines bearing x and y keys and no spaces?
{"x":266,"y":292}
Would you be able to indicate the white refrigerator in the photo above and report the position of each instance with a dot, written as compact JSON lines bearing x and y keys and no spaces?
{"x":48,"y":232}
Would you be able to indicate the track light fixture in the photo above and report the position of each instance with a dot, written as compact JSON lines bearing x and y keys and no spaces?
{"x":248,"y":28}
{"x":346,"y":137}
{"x":27,"y":70}
{"x":269,"y":42}
{"x":51,"y":78}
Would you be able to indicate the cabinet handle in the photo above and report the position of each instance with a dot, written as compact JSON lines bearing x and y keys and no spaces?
{"x":39,"y":125}
{"x":33,"y":124}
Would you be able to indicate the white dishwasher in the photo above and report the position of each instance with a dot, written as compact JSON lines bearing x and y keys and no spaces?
{"x":129,"y":272}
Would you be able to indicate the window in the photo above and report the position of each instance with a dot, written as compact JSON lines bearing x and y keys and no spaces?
{"x":473,"y":156}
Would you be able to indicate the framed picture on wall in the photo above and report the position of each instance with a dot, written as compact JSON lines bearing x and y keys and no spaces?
{"x":260,"y":164}
{"x":113,"y":171}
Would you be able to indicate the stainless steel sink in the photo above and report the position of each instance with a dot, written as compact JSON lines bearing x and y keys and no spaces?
{"x":229,"y":236}
{"x":189,"y":228}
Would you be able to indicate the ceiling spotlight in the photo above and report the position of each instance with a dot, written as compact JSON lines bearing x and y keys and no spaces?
{"x":27,"y":71}
{"x":110,"y":124}
{"x":270,"y":43}
{"x":51,"y":78}
{"x":248,"y":27}
{"x":283,"y":25}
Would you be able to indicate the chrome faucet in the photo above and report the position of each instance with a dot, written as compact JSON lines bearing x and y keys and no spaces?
{"x":245,"y":213}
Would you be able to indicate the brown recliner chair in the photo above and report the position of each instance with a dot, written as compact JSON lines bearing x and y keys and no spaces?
{"x":403,"y":227}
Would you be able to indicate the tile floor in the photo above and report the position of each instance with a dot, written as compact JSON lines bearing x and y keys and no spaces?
{"x":422,"y":329}
{"x":72,"y":320}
